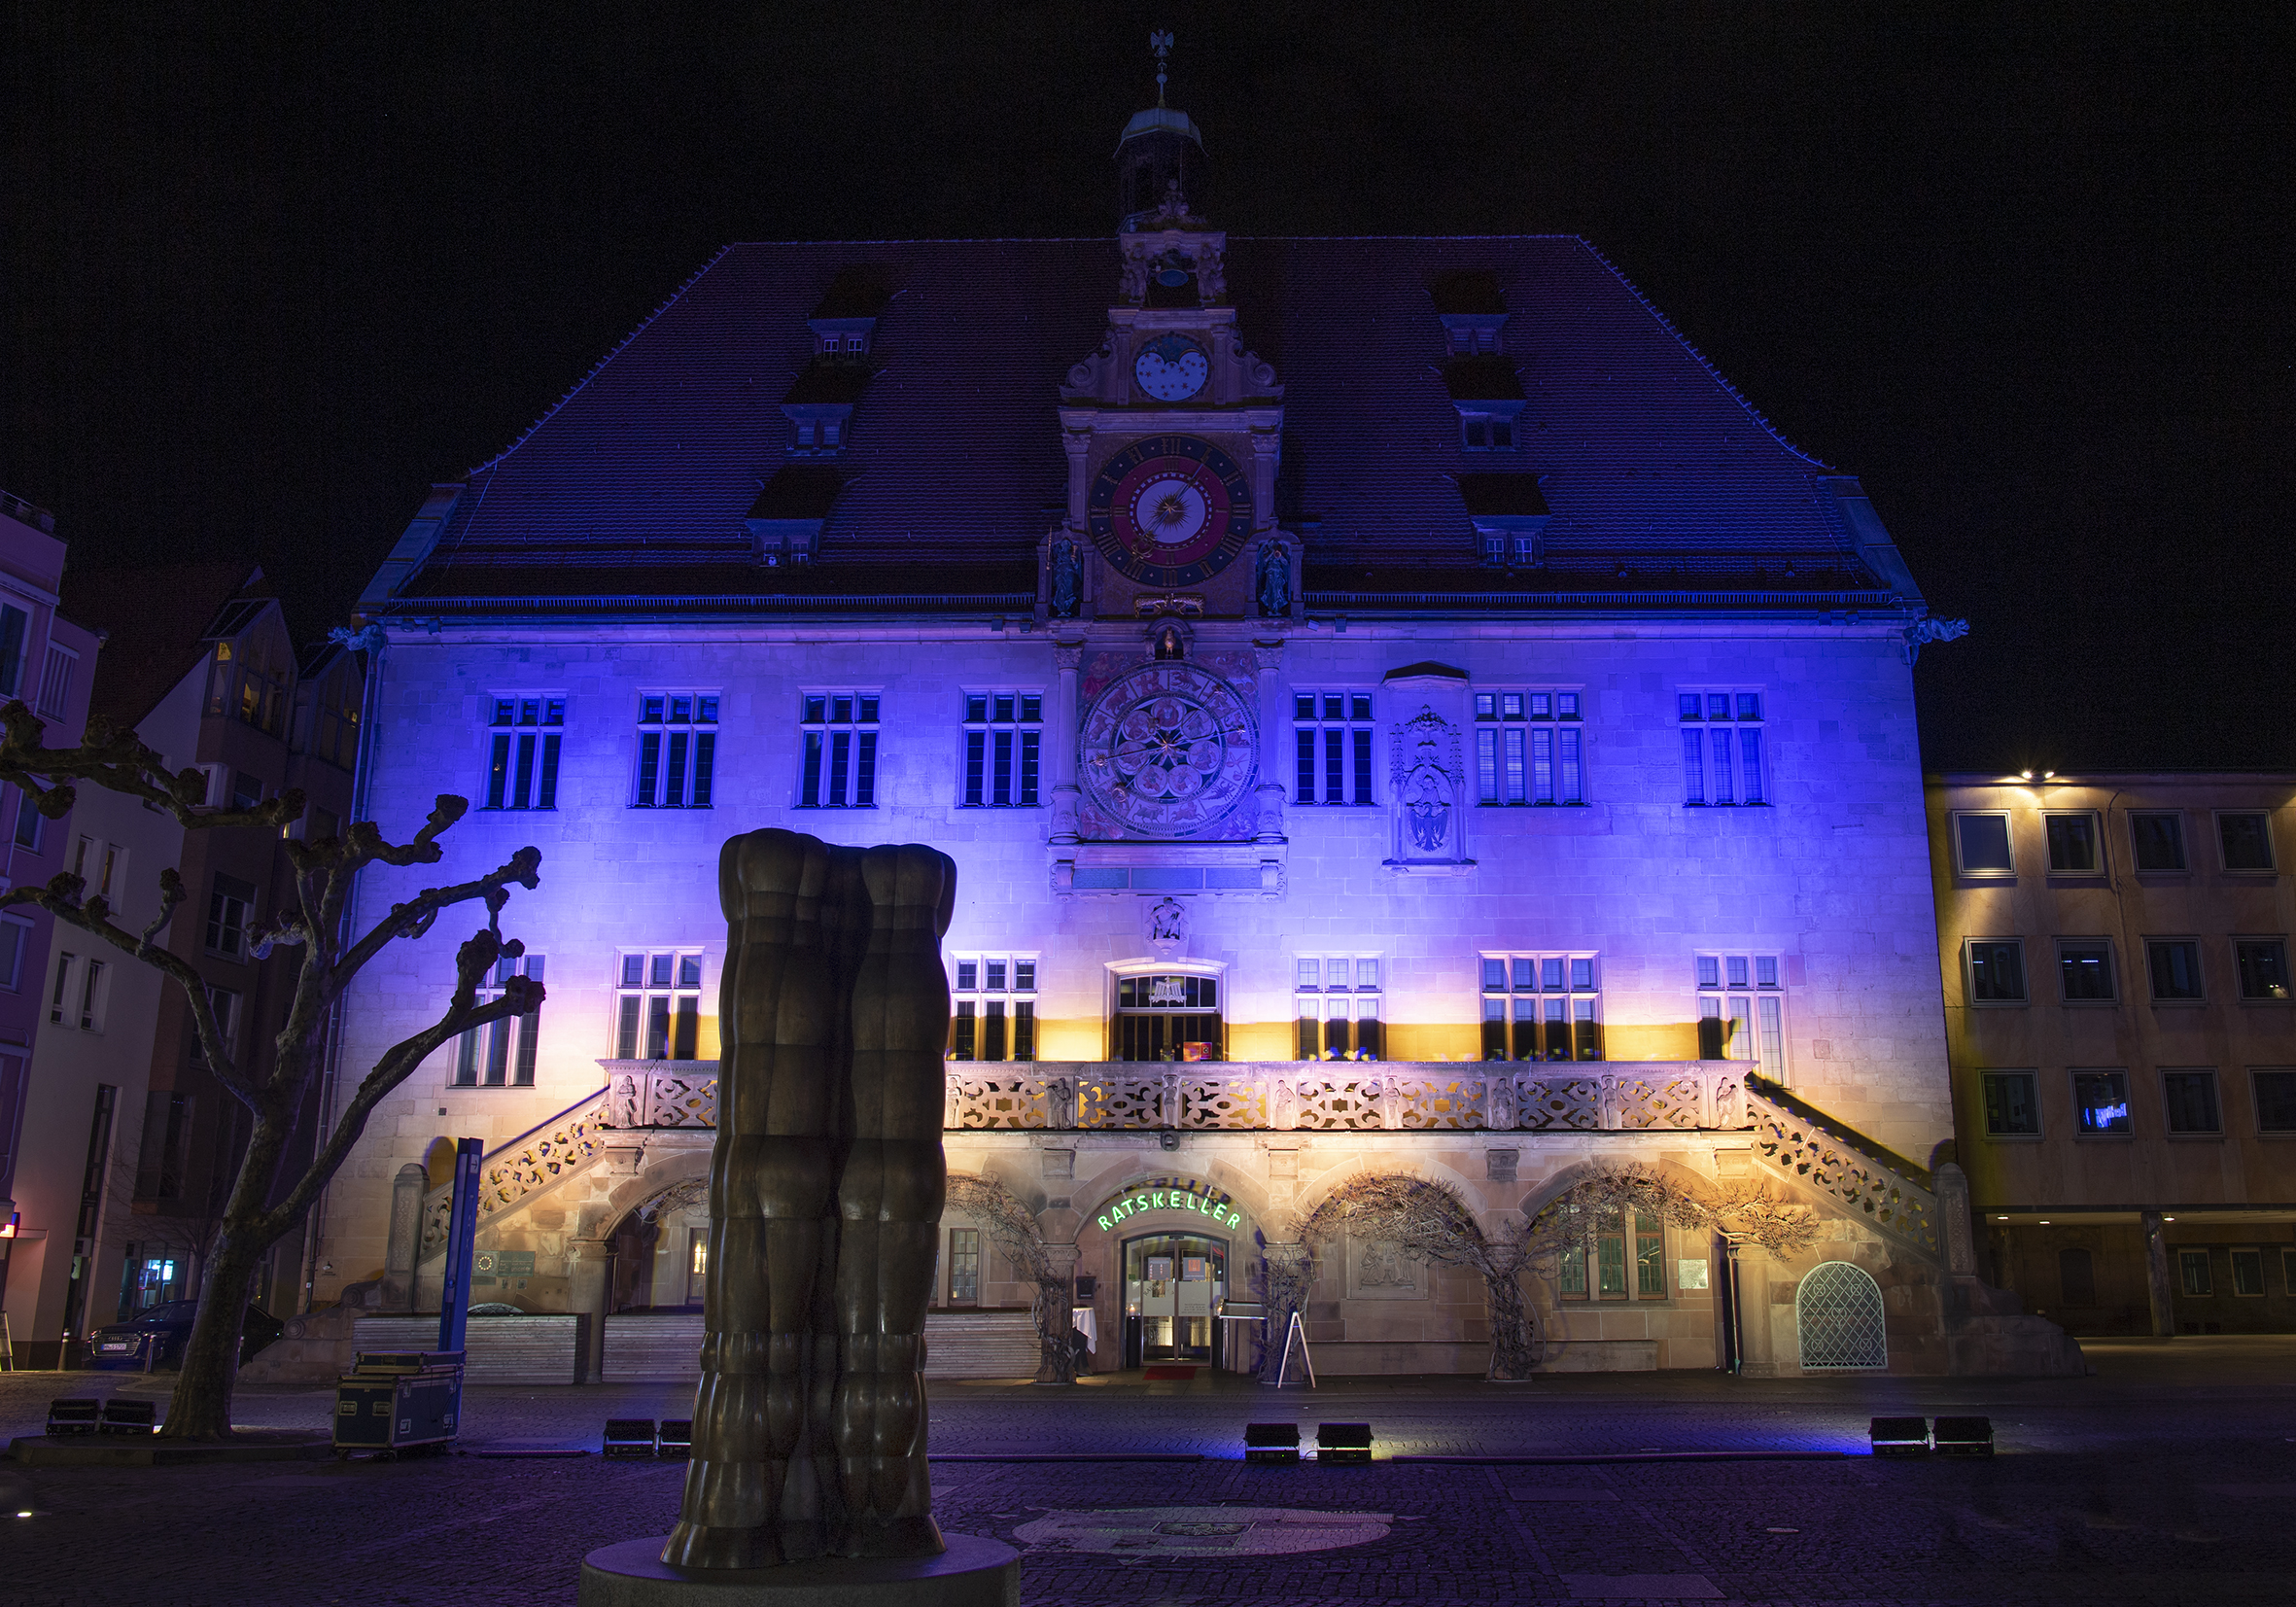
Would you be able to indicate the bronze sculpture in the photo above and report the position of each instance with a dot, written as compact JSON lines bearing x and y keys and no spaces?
{"x":826,"y":1190}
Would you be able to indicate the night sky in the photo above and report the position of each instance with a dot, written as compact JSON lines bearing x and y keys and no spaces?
{"x":270,"y":271}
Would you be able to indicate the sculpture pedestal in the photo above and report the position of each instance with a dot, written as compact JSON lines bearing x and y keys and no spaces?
{"x":973,"y":1572}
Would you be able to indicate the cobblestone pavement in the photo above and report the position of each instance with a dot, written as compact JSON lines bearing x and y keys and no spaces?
{"x":2169,"y":1477}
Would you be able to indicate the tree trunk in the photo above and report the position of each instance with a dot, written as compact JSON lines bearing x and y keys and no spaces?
{"x":1057,"y":1362}
{"x":200,"y":1407}
{"x":1514,"y":1353}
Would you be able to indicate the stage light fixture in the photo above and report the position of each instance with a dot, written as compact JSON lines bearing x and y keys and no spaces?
{"x":1962,"y":1437}
{"x":1271,"y":1443}
{"x":1899,"y":1436}
{"x":628,"y":1439}
{"x":128,"y":1417}
{"x":78,"y":1414}
{"x":1343,"y":1442}
{"x":676,"y":1442}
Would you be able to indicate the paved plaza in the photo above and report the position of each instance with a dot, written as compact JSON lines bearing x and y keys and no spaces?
{"x":2168,"y":1475}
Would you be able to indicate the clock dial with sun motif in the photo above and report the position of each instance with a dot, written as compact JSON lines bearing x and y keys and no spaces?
{"x":1169,"y":510}
{"x":1168,"y":751}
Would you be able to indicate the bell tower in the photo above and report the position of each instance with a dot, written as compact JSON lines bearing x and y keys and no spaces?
{"x":1161,"y":147}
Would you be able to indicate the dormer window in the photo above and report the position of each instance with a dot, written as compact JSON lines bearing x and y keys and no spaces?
{"x":1473,"y":339}
{"x":1511,"y":549}
{"x":805,"y":434}
{"x":1490,"y":431}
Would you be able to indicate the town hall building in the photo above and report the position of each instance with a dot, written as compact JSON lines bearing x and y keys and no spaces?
{"x":1392,"y":705}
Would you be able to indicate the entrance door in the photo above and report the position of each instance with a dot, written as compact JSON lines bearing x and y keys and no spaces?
{"x":1172,"y":1286}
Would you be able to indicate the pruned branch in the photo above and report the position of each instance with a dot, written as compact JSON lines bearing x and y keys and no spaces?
{"x":122,"y":762}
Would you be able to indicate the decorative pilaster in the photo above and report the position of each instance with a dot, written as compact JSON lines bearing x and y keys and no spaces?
{"x":1067,"y":657}
{"x":1274,"y":722}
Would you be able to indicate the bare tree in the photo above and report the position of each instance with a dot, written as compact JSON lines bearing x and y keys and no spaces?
{"x":1432,"y":1222}
{"x":266,"y":1199}
{"x":1012,"y":1228}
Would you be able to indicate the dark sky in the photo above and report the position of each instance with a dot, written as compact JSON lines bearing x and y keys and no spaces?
{"x":270,"y":270}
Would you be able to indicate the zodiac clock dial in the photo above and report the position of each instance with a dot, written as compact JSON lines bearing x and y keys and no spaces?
{"x":1169,"y":510}
{"x":1167,"y":749}
{"x":1171,"y":368}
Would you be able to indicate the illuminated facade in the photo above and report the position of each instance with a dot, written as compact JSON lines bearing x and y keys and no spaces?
{"x":1390,"y":701}
{"x":2116,"y":951}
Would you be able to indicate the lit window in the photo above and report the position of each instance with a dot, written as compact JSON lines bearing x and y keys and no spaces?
{"x":677,"y":749}
{"x":1722,"y":747}
{"x":2100,"y":1101}
{"x":1336,"y":1006}
{"x":658,"y":1005}
{"x":2263,"y":966}
{"x":522,"y":758}
{"x":1530,"y":748}
{"x":1167,"y":1015}
{"x":501,"y":1053}
{"x":995,"y":1008}
{"x":964,"y":1266}
{"x":1003,"y":744}
{"x":1331,"y":747}
{"x":1742,"y":1010}
{"x":1540,"y":1007}
{"x":1611,"y":1253}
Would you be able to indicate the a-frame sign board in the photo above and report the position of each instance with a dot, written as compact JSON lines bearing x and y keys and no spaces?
{"x":1295,"y":1334}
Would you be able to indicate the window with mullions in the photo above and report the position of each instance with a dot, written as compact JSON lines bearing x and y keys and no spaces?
{"x":1742,"y":1010}
{"x":501,"y":1053}
{"x":840,"y":764}
{"x":658,"y":1005}
{"x":1002,"y":748}
{"x":1167,"y":1017}
{"x":522,"y":762}
{"x":1540,"y":1007}
{"x":1529,"y":748}
{"x":1610,"y":1253}
{"x":1331,"y":747}
{"x":676,"y":750}
{"x":1336,"y":1007}
{"x":995,"y":1015}
{"x":1721,"y":747}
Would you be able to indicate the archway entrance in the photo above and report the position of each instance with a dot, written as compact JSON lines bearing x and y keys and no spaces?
{"x":1838,"y":1311}
{"x":1173,"y":1283}
{"x":659,"y":1251}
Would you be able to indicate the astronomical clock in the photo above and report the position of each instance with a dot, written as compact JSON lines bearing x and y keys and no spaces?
{"x":1167,"y":578}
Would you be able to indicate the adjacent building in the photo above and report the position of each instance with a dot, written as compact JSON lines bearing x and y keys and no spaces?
{"x":2115,"y":952}
{"x":121,"y":1205}
{"x":1392,"y":705}
{"x":46,"y":661}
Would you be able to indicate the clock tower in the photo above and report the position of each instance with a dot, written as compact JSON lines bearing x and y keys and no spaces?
{"x":1167,"y":578}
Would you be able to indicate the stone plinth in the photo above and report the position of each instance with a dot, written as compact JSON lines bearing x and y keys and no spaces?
{"x":973,"y":1572}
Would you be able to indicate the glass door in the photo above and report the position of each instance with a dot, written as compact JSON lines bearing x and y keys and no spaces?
{"x":1173,"y":1287}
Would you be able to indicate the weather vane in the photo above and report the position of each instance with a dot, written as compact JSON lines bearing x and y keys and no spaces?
{"x":1160,"y":42}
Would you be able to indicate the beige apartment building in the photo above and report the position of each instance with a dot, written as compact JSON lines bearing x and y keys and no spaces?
{"x":2123,"y":1039}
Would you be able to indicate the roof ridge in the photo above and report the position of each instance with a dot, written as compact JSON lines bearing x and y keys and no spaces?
{"x":1720,"y":378}
{"x":644,"y":324}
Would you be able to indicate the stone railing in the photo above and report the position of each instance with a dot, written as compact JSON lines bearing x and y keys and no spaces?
{"x":1884,"y":1189}
{"x":660,"y":1094}
{"x":535,"y":1159}
{"x":1354,"y":1096}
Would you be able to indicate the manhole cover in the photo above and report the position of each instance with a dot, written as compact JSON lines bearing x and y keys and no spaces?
{"x":1177,"y":1531}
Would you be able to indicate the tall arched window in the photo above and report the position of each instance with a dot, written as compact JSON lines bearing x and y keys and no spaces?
{"x":1838,"y":1310}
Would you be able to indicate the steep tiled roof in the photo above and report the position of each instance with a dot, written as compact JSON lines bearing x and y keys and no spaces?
{"x":157,"y":619}
{"x":1660,"y":479}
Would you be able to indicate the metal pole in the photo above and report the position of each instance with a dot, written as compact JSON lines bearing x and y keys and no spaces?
{"x":454,"y":1300}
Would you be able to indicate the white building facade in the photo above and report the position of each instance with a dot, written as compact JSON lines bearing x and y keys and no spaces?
{"x":1392,"y":705}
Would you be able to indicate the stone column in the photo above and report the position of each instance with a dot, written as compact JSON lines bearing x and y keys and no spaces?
{"x":2156,"y":1277}
{"x":1288,"y":1267}
{"x":589,"y":1292}
{"x":1276,"y":723}
{"x":1062,"y":1258}
{"x":403,"y":1245}
{"x":1953,"y":1210}
{"x":1066,"y":656}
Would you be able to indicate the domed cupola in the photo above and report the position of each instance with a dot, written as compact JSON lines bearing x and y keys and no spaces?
{"x":1161,"y":147}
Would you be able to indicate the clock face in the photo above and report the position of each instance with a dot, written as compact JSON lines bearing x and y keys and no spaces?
{"x":1167,"y":749}
{"x":1169,"y":510}
{"x":1171,"y":368}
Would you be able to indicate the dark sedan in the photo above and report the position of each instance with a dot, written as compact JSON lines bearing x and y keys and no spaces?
{"x":155,"y":1338}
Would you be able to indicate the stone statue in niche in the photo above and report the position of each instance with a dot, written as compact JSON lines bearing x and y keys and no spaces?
{"x":1428,"y":781}
{"x":1272,"y":586}
{"x":628,"y":1105}
{"x":1060,"y":1100}
{"x":1167,"y":922}
{"x":1427,"y":807}
{"x":1066,"y":579}
{"x":826,"y":1184}
{"x":1499,"y":1113}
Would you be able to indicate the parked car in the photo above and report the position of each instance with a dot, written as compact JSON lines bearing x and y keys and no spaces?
{"x":155,"y":1338}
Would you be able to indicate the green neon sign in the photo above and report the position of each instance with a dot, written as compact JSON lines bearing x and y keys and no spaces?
{"x":1170,"y":1200}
